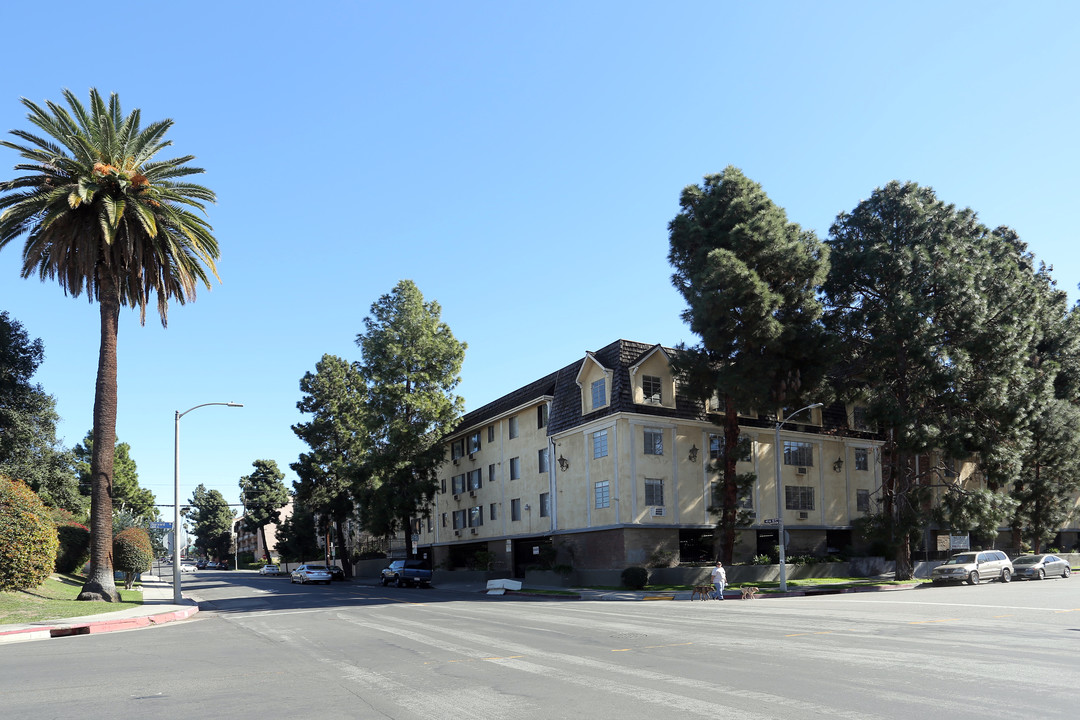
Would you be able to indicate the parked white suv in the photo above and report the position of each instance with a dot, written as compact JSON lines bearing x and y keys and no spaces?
{"x":973,"y":567}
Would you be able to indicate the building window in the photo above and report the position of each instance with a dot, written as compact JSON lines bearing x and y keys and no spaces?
{"x":650,"y":389}
{"x":459,"y":519}
{"x":545,"y":504}
{"x":599,"y":444}
{"x":491,"y":511}
{"x":745,"y":499}
{"x":654,"y":491}
{"x":473,"y":442}
{"x":858,"y":418}
{"x":515,"y":509}
{"x":430,"y":524}
{"x":862,"y":500}
{"x":654,"y":441}
{"x":512,"y":422}
{"x":457,"y":449}
{"x":541,"y":416}
{"x":799,"y":497}
{"x":444,"y":519}
{"x":862,"y":459}
{"x":442,"y":485}
{"x":542,"y":460}
{"x":950,"y":467}
{"x":476,"y":516}
{"x":458,"y":484}
{"x":491,"y":433}
{"x":603,"y":494}
{"x":515,"y":468}
{"x":491,"y":474}
{"x":599,"y":393}
{"x":798,"y":453}
{"x":716,"y":448}
{"x":475,"y":479}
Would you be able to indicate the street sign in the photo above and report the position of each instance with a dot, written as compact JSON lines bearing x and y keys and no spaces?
{"x":160,"y":525}
{"x":771,"y":521}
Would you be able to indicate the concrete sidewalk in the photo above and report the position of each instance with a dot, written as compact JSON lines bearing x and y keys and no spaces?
{"x":157,"y":608}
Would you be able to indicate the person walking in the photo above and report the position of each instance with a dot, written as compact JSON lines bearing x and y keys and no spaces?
{"x":719,"y":579}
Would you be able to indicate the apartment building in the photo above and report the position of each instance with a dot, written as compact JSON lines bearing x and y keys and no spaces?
{"x":605,"y":463}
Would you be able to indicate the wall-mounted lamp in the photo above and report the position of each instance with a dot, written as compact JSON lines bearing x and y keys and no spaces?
{"x":528,"y":506}
{"x":693,"y":453}
{"x":838,"y":464}
{"x":564,"y":464}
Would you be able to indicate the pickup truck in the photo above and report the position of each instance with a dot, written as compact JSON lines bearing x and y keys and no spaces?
{"x":406,"y":572}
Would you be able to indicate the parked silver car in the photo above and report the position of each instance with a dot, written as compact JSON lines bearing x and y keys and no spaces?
{"x":311,"y":574}
{"x":974,"y":567}
{"x":1037,"y":567}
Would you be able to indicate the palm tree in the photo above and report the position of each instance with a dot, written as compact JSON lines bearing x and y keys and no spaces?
{"x":100,"y":215}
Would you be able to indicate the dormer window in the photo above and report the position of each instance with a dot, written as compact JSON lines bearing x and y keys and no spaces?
{"x":599,"y":393}
{"x":651,"y":389}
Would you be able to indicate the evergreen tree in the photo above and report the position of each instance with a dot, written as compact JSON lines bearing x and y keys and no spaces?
{"x":212,"y":522}
{"x":29,"y":450}
{"x":127,"y":494}
{"x":749,"y":278}
{"x":296,"y":536}
{"x":334,"y":397}
{"x":264,"y":495}
{"x":411,"y":365}
{"x":931,"y":309}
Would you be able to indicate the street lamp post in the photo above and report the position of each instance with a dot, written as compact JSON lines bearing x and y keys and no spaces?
{"x":177,"y":596}
{"x":777,"y":450}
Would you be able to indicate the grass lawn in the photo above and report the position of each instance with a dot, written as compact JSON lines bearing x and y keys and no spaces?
{"x":55,"y":598}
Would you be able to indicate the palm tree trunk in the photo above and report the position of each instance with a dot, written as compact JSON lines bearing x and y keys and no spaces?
{"x":100,"y":584}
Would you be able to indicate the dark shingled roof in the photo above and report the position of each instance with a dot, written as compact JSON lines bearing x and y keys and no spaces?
{"x":619,"y":357}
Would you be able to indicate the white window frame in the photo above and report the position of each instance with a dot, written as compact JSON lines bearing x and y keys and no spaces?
{"x":653,"y":441}
{"x":600,"y":444}
{"x":602,"y":494}
{"x":654,"y":490}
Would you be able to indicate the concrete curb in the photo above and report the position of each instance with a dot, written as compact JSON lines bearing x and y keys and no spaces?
{"x":157,"y":609}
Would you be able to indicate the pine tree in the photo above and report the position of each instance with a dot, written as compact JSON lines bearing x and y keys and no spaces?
{"x":749,"y":278}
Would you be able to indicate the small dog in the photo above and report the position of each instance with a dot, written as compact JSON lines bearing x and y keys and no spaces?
{"x":749,"y":592}
{"x":702,"y":591}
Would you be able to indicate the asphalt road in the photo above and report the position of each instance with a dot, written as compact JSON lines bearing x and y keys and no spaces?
{"x":263,"y":648}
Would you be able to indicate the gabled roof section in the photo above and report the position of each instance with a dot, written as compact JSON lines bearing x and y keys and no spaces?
{"x":589,"y":357}
{"x":648,"y":354}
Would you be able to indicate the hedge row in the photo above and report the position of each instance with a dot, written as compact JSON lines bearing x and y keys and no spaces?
{"x":28,"y":540}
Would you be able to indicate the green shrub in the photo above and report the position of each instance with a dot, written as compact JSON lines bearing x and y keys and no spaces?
{"x":28,"y":540}
{"x":635,"y":578}
{"x":74,"y":548}
{"x":762,"y":559}
{"x":133,"y":553}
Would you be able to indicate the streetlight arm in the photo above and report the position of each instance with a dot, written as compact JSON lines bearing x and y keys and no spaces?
{"x":227,"y":404}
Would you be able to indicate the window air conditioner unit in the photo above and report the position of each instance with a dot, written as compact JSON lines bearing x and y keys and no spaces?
{"x":472,"y":456}
{"x":457,"y":533}
{"x":658,"y":512}
{"x":472,"y":493}
{"x":473,"y":530}
{"x":456,"y":496}
{"x":800,"y":471}
{"x":803,"y":515}
{"x":455,"y":461}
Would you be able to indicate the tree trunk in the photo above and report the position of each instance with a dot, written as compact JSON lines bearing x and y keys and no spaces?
{"x":343,"y":550}
{"x":266,"y":548}
{"x":408,"y":538}
{"x":729,"y":488}
{"x":100,"y":584}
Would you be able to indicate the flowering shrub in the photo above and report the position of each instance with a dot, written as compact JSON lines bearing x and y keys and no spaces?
{"x":27,"y":537}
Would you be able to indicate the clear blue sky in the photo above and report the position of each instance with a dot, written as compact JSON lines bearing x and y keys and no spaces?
{"x":519,"y":162}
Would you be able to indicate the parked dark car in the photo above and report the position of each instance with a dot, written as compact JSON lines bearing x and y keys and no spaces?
{"x":336,"y":572}
{"x":406,"y":572}
{"x":202,"y":563}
